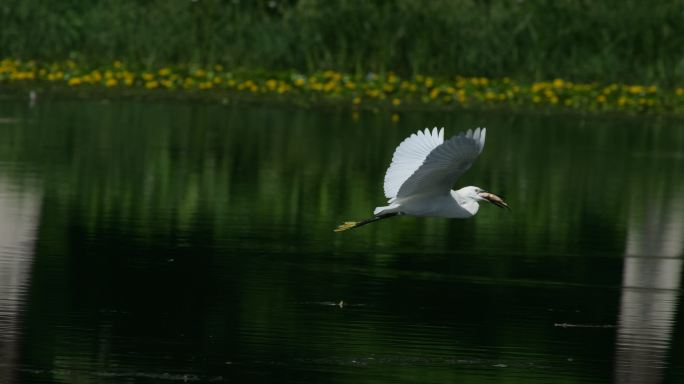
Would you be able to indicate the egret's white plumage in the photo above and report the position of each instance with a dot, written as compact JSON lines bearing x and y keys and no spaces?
{"x":424,"y":168}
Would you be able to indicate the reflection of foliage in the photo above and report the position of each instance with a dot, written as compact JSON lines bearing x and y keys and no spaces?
{"x":244,"y":200}
{"x":169,"y":167}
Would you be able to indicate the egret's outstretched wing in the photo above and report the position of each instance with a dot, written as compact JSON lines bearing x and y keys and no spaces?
{"x":444,"y":164}
{"x":409,"y":156}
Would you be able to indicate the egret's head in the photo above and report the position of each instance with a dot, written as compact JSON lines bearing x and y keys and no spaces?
{"x":480,"y":194}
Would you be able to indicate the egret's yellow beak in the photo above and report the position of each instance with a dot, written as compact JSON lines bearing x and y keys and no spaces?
{"x":494,"y":199}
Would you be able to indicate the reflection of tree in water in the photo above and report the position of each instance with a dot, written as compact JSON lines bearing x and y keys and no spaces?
{"x":651,"y":275}
{"x":19,"y":211}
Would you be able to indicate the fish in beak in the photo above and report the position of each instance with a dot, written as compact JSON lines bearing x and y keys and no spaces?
{"x":494,"y":199}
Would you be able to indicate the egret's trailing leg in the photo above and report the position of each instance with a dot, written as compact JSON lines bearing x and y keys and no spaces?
{"x":355,"y":224}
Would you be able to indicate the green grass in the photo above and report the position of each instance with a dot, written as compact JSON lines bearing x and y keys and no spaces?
{"x":627,"y":41}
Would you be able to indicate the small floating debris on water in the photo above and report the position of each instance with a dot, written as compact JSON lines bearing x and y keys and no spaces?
{"x":33,"y":97}
{"x":563,"y":310}
{"x":568,"y":325}
{"x":500,"y":365}
{"x":8,"y":120}
{"x":338,"y":303}
{"x":161,"y":376}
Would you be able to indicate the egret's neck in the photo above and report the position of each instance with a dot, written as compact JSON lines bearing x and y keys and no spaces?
{"x":466,"y":202}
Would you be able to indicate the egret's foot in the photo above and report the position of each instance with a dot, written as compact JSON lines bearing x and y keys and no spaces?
{"x":346,"y":225}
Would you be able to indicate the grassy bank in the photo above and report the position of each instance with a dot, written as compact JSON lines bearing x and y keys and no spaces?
{"x":368,"y":91}
{"x":612,"y":41}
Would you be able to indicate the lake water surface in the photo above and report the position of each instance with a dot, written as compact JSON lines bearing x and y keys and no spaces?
{"x":145,"y":242}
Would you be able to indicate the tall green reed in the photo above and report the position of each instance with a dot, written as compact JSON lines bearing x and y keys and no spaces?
{"x":629,"y":40}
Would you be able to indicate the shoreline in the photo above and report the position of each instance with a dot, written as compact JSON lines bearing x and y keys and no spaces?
{"x":375,"y":92}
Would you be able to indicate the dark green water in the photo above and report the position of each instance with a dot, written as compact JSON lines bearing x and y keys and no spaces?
{"x":168,"y":242}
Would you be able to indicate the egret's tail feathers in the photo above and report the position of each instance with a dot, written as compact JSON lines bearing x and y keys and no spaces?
{"x":354,"y":224}
{"x":391,"y":208}
{"x":346,"y":225}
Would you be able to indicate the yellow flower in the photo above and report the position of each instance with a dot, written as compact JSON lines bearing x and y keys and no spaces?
{"x":461,"y":96}
{"x":147,"y":76}
{"x":74,"y":81}
{"x":635,"y":89}
{"x":271,"y":84}
{"x":110,"y":82}
{"x":151,"y":84}
{"x":164,"y":72}
{"x":395,"y":118}
{"x":429,"y":82}
{"x":373,"y":93}
{"x":329,"y":86}
{"x":356,"y":100}
{"x":299,"y":82}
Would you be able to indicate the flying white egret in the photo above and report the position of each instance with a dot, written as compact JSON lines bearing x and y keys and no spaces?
{"x":424,"y":168}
